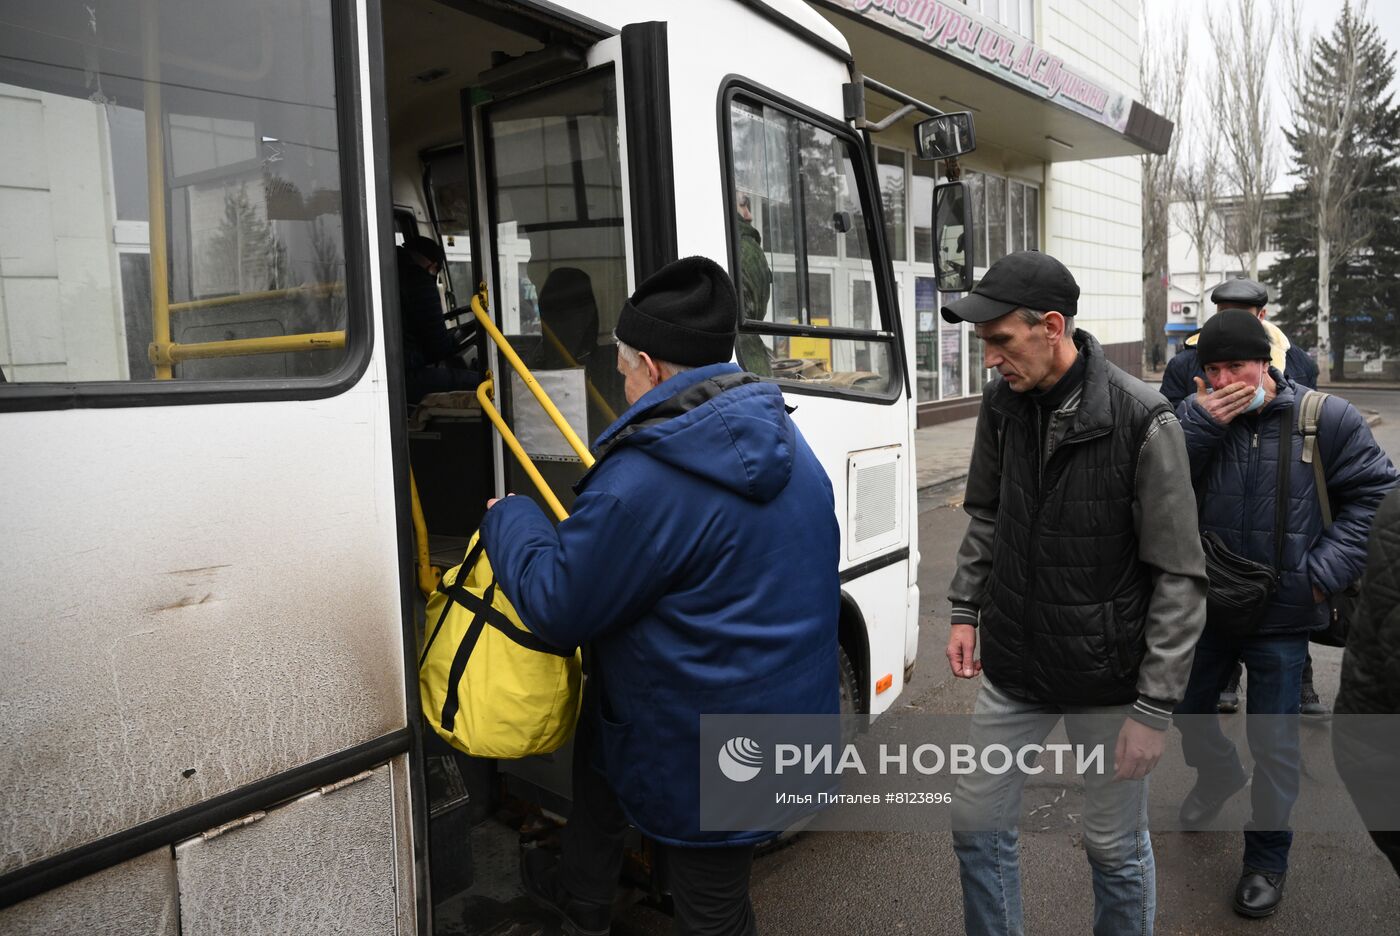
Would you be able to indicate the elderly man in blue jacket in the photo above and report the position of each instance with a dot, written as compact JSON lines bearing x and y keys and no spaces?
{"x":700,"y":568}
{"x":1238,"y":429}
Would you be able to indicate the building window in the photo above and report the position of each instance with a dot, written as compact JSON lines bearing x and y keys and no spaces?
{"x":1016,"y":15}
{"x":1006,"y":216}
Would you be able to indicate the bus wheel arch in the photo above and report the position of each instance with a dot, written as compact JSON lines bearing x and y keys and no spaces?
{"x":854,"y":657}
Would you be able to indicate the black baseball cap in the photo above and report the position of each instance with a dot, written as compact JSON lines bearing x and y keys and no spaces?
{"x":1026,"y":278}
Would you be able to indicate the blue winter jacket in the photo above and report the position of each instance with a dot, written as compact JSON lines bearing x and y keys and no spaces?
{"x":1235,"y":468}
{"x":700,"y":563}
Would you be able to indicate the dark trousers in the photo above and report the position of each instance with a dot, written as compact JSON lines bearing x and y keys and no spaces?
{"x":709,"y":886}
{"x":1275,"y":667}
{"x":1238,"y":670}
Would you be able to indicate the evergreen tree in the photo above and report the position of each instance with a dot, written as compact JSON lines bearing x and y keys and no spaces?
{"x":1365,"y":284}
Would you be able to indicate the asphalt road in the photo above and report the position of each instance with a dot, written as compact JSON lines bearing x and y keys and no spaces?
{"x":891,"y":883}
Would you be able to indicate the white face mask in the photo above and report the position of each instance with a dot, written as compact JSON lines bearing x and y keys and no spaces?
{"x":1258,"y":400}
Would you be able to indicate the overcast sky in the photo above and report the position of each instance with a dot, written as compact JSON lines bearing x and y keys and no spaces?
{"x":1319,"y":14}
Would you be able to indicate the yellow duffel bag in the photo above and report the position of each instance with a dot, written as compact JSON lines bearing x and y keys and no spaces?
{"x":491,"y":688}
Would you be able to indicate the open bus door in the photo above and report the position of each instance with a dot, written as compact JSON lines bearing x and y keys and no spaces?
{"x":563,"y":148}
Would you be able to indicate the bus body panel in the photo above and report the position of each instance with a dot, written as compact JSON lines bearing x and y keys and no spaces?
{"x":212,"y":599}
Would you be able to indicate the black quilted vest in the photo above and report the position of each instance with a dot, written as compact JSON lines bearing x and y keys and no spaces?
{"x":1065,"y":607}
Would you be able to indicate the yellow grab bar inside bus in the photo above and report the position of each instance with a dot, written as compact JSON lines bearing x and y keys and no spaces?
{"x":572,"y":361}
{"x":428,"y":574}
{"x":533,"y":385}
{"x":483,"y":396}
{"x":173,"y":353}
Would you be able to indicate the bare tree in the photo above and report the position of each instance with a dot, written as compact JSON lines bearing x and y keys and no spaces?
{"x":1324,"y":82}
{"x":1162,"y":75}
{"x":1198,"y":184}
{"x":1242,"y":40}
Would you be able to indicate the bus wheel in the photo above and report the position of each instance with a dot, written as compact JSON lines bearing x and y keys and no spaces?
{"x":852,"y":698}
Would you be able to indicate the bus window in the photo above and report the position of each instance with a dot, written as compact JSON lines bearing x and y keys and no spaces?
{"x":170,"y":195}
{"x":803,"y":255}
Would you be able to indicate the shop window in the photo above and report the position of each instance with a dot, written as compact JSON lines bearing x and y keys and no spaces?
{"x":925,"y":178}
{"x":103,"y":278}
{"x":802,"y":244}
{"x":893,"y":184}
{"x":995,"y":189}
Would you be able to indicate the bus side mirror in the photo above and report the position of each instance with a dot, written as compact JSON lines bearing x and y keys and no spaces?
{"x":945,"y":136}
{"x":952,"y":237}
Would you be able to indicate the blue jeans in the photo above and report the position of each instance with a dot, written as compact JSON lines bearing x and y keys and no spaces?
{"x":987,"y":812}
{"x":1275,"y":666}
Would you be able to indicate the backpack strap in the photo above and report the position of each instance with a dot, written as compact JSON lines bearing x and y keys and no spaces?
{"x":1309,"y":416}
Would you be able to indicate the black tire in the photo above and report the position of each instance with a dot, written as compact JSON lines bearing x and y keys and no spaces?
{"x":852,"y":693}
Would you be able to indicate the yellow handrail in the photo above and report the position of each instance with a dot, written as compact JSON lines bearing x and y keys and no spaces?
{"x":317,"y":290}
{"x":572,"y":361}
{"x":560,"y":423}
{"x":428,"y":574}
{"x":483,"y":396}
{"x":169,"y":352}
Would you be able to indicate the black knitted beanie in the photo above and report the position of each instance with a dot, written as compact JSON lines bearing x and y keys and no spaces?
{"x":686,"y":313}
{"x":1233,"y":335}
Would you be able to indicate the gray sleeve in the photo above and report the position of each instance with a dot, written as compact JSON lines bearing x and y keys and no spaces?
{"x":974,"y":560}
{"x":1169,"y":543}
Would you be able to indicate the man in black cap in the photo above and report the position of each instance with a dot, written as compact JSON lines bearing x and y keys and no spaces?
{"x":430,"y":352}
{"x":1082,"y":572}
{"x":679,"y":570}
{"x":1244,"y":441}
{"x":1298,"y":366}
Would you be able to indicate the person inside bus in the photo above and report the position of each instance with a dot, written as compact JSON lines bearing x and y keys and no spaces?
{"x":1082,"y":575}
{"x":665,"y":572}
{"x":431,"y":362}
{"x":1178,"y":386}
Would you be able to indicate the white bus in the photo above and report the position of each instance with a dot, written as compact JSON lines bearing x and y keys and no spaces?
{"x":210,"y":585}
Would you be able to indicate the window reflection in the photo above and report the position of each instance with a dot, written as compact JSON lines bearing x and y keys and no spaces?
{"x":230,"y":109}
{"x":799,"y":226}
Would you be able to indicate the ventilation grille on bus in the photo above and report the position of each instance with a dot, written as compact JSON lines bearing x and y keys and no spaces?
{"x":876,"y":501}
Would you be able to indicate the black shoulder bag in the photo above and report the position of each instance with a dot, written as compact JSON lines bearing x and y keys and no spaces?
{"x":1240,"y":589}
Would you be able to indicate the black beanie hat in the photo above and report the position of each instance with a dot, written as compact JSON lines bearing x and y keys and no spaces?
{"x":1233,"y":335}
{"x":685,"y":313}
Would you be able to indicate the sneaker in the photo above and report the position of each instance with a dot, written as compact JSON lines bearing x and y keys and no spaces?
{"x":1310,"y":704}
{"x":539,"y":873}
{"x":1229,"y":702}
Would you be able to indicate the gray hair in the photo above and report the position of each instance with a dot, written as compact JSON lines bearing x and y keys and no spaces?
{"x":1032,"y":317}
{"x":633,"y":358}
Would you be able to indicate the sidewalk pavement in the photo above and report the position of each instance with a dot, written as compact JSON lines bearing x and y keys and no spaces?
{"x":942,"y":452}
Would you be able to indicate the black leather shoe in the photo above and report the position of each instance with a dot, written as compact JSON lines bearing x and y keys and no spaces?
{"x":1259,"y":893}
{"x":1309,"y":704}
{"x":539,"y":872}
{"x":1201,"y":806}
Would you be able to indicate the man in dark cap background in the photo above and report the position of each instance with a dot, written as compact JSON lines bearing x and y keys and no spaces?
{"x":1298,"y":366}
{"x":1238,"y":430}
{"x":667,"y":571}
{"x":1083,"y":574}
{"x":430,"y":352}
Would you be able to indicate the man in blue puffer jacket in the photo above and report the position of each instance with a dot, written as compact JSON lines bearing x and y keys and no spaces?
{"x":700,"y":567}
{"x":1233,"y":432}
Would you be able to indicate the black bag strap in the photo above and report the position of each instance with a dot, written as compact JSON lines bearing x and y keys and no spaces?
{"x":1285,"y":459}
{"x":1281,"y":493}
{"x":473,"y":555}
{"x":459,"y":662}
